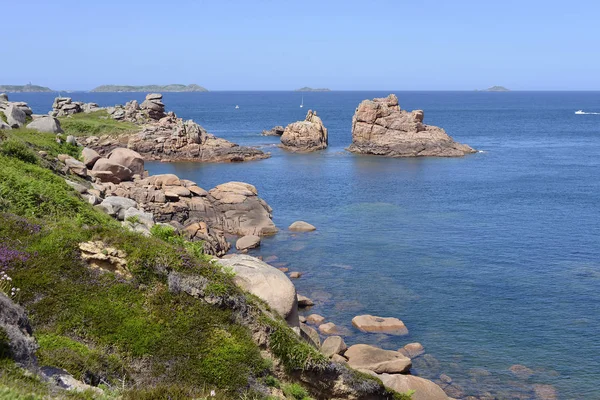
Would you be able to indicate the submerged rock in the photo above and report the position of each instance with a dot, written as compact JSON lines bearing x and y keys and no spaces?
{"x":380,"y":127}
{"x":275,"y":131}
{"x":305,"y":136}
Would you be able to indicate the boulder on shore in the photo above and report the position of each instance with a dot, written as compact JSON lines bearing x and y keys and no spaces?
{"x":267,"y":283}
{"x":380,"y":127}
{"x":333,"y":345}
{"x":371,"y":323}
{"x":119,"y":171}
{"x":423,"y":389}
{"x":363,"y":356}
{"x":305,"y":136}
{"x":247,"y":242}
{"x":128,"y":158}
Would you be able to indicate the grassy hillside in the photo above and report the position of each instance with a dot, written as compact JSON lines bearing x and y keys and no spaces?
{"x":137,"y":337}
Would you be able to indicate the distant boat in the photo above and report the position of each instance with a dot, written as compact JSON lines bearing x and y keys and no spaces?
{"x":302,"y":104}
{"x":579,"y":112}
{"x":237,"y":107}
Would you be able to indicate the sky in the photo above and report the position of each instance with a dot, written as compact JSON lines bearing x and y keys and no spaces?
{"x":284,"y":45}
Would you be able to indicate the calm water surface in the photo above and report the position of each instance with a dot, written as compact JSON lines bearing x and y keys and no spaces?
{"x":490,"y":260}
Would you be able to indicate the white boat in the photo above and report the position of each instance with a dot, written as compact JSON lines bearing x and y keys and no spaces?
{"x":236,"y":107}
{"x":302,"y":104}
{"x":579,"y":112}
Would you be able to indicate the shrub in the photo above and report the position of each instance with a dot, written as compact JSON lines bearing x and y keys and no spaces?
{"x":295,"y":391}
{"x":19,"y":150}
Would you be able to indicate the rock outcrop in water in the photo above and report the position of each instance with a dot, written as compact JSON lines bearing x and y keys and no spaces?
{"x":120,"y":183}
{"x":380,"y":127}
{"x":305,"y":136}
{"x":165,"y":137}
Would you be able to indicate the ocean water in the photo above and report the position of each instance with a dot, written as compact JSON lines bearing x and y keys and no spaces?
{"x":490,"y":260}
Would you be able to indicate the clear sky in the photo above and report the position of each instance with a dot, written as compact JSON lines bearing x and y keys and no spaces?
{"x":283,"y":45}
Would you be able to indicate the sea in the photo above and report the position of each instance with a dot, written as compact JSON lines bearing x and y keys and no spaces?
{"x":491,"y":260}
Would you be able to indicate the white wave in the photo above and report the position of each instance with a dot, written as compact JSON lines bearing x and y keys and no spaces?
{"x":587,"y":113}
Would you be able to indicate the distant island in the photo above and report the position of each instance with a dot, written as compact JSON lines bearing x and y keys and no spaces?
{"x":150,"y":88}
{"x":309,"y":89}
{"x":494,"y":89}
{"x":29,"y":88}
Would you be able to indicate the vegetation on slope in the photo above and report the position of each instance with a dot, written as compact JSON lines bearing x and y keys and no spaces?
{"x":135,"y":338}
{"x":96,"y":123}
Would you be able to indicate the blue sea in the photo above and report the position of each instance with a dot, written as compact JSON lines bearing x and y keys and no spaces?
{"x":490,"y":260}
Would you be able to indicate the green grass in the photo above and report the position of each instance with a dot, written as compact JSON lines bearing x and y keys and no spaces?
{"x":103,"y":328}
{"x":295,"y":391}
{"x":18,"y":149}
{"x":3,"y":117}
{"x":95,"y":124}
{"x":36,"y":141}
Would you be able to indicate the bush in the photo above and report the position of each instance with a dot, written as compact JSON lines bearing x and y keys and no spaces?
{"x":19,"y":150}
{"x":295,"y":391}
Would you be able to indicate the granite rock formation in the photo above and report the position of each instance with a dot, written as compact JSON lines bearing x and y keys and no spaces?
{"x":305,"y":136}
{"x":380,"y":127}
{"x":64,"y":106}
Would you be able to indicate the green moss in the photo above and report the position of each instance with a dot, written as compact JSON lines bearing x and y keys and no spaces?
{"x":96,"y":123}
{"x":295,"y":354}
{"x":84,"y":363}
{"x":4,"y":345}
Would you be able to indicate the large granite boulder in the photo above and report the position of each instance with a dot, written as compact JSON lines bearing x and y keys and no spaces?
{"x":128,"y":158}
{"x":423,"y":389}
{"x":16,"y":339}
{"x":121,"y":172}
{"x":46,"y":124}
{"x":362,"y":356}
{"x":267,"y":283}
{"x":242,"y":211}
{"x":305,"y":136}
{"x":380,"y":127}
{"x":15,"y":117}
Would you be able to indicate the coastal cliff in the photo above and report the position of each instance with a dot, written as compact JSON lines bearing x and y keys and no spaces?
{"x":380,"y":127}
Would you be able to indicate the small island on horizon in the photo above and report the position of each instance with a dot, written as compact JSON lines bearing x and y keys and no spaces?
{"x":309,"y":89}
{"x":29,"y":88}
{"x":494,"y":89}
{"x":150,"y":88}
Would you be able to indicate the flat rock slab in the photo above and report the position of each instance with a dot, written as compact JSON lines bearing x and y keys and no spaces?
{"x":371,"y":323}
{"x":363,"y":356}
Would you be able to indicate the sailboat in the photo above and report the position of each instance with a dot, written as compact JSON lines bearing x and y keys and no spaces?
{"x":236,"y":107}
{"x":302,"y":104}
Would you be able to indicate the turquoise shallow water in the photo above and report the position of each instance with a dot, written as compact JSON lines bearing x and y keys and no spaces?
{"x":490,"y":260}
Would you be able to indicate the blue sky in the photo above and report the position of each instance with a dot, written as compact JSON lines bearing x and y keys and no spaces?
{"x":282,"y":45}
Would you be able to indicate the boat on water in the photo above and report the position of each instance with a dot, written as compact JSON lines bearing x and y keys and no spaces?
{"x":236,"y":106}
{"x":302,"y":104}
{"x":579,"y":112}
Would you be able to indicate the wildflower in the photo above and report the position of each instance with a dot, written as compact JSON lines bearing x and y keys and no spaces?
{"x":213,"y":393}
